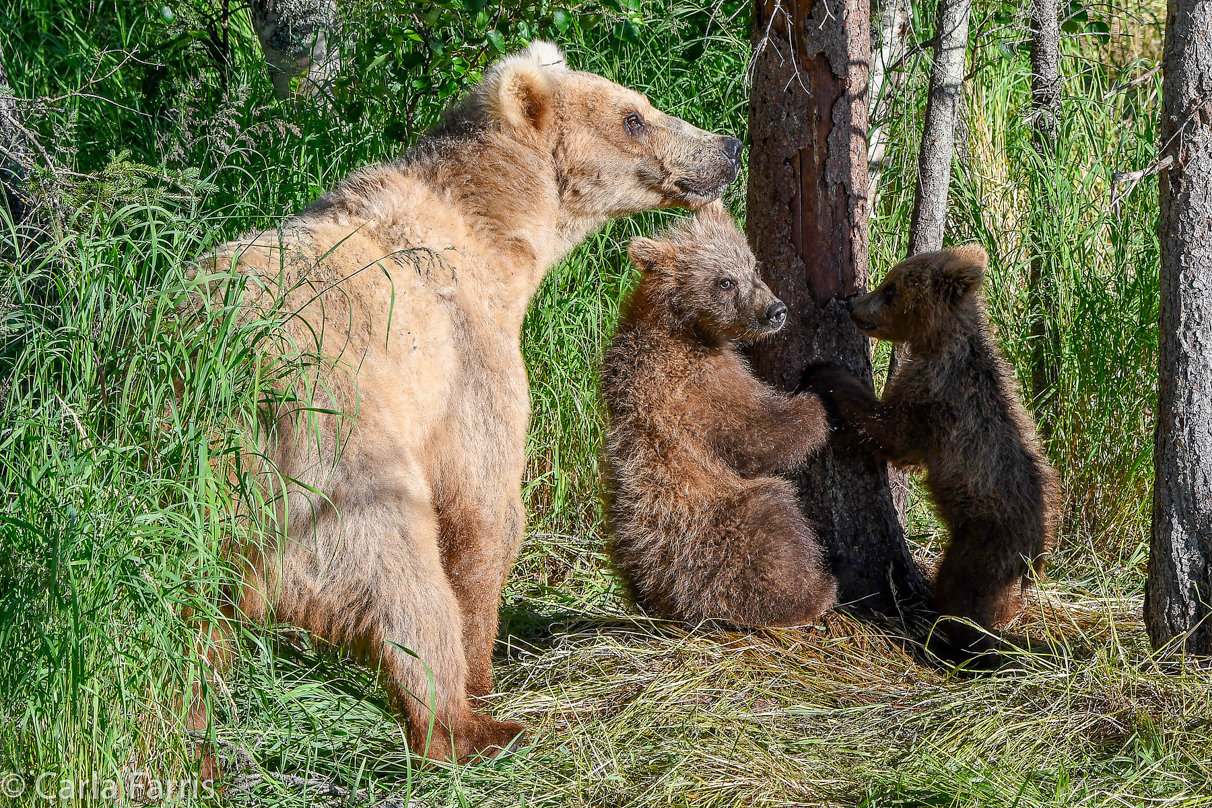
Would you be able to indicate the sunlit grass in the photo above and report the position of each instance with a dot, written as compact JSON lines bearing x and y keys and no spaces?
{"x":122,"y":427}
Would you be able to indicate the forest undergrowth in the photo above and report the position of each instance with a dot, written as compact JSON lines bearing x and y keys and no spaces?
{"x":125,"y":426}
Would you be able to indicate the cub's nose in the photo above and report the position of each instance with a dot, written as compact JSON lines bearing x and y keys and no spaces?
{"x":732,"y":150}
{"x":776,"y":313}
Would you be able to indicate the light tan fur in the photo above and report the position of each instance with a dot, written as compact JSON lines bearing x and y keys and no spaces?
{"x":410,"y":280}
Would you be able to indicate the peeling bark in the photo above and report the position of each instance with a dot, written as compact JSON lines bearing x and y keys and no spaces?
{"x":807,"y":222}
{"x":16,"y":156}
{"x":894,"y":17}
{"x":1178,"y":595}
{"x":294,"y":36}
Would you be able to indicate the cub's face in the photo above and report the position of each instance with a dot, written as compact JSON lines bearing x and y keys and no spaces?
{"x":614,"y":152}
{"x":704,"y":273}
{"x":921,"y":295}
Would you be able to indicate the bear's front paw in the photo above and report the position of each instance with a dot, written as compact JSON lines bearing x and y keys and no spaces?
{"x":824,"y":378}
{"x":828,"y":380}
{"x":821,"y":380}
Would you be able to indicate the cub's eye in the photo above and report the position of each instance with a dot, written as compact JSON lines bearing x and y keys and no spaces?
{"x":727,"y":283}
{"x":890,"y":291}
{"x":634,"y":124}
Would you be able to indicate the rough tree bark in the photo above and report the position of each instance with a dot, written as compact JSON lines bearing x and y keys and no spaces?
{"x":294,"y":37}
{"x":1045,"y":121}
{"x":16,"y":156}
{"x":938,"y":133}
{"x":1178,"y":595}
{"x":807,"y":222}
{"x":894,"y":18}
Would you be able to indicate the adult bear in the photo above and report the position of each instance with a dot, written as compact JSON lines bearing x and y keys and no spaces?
{"x":409,"y":281}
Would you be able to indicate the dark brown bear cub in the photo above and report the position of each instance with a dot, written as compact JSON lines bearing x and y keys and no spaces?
{"x":952,"y":407}
{"x":701,"y":529}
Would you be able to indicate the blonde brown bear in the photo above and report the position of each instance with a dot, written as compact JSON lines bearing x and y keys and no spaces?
{"x":410,"y":280}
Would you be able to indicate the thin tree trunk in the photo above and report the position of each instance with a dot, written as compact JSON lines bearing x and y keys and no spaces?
{"x":894,"y":18}
{"x":1178,"y":595}
{"x":16,"y":155}
{"x":937,"y":152}
{"x":294,"y":36}
{"x":1045,"y":117}
{"x":938,"y":134}
{"x":807,"y":222}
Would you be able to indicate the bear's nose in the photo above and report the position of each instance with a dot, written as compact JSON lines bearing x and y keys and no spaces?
{"x":732,"y":150}
{"x":776,"y":313}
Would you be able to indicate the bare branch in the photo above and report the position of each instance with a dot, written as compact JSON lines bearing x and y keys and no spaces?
{"x":1131,"y":178}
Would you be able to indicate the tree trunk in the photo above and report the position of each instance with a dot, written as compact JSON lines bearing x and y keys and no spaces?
{"x":294,"y":37}
{"x":938,"y":134}
{"x":1178,"y":595}
{"x":894,"y":18}
{"x":1045,"y":117}
{"x":807,"y":223}
{"x":934,"y":161}
{"x":16,"y":156}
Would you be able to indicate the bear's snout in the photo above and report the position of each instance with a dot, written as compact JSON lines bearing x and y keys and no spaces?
{"x":776,"y":313}
{"x":732,"y":150}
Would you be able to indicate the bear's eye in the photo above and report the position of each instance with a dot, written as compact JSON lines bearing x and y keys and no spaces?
{"x":890,"y":291}
{"x":727,"y":283}
{"x":634,"y":124}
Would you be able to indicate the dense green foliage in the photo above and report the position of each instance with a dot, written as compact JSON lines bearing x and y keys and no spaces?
{"x":122,"y":424}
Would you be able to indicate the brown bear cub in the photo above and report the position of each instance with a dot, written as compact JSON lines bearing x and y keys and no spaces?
{"x":952,"y":407}
{"x":701,"y":528}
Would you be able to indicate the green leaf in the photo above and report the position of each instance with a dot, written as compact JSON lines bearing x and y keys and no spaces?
{"x":560,"y":19}
{"x":167,"y":14}
{"x":496,"y":40}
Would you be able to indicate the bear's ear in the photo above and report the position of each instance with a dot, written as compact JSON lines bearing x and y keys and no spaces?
{"x":548,"y":55}
{"x":519,"y":91}
{"x":649,"y":255}
{"x":971,"y":253}
{"x":965,"y":269}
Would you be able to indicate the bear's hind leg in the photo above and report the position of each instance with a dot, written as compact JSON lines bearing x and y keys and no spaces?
{"x":772,"y":571}
{"x":980,"y":580}
{"x":479,"y":543}
{"x":379,"y":590}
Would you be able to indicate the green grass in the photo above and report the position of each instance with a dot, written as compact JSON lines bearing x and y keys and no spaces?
{"x":121,"y":490}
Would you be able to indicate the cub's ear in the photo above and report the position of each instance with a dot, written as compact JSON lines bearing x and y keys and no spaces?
{"x":519,"y":90}
{"x":971,"y":253}
{"x":649,"y":255}
{"x":964,"y":270}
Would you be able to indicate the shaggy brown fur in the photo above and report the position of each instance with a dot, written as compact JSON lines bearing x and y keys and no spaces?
{"x":701,"y":529}
{"x":410,"y":281}
{"x":952,"y":406}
